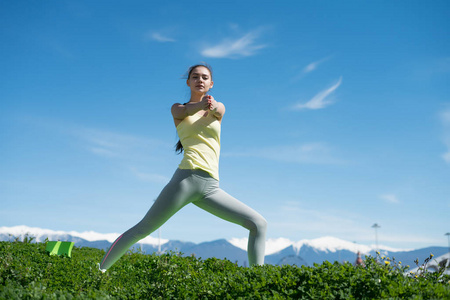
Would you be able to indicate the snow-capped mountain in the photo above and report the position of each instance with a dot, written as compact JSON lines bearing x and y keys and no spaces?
{"x":278,"y":251}
{"x":325,"y":244}
{"x":41,"y":234}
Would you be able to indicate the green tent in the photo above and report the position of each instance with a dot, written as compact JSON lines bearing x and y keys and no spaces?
{"x":59,"y":248}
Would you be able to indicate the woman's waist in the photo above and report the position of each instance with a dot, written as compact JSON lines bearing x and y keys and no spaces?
{"x":196,"y":172}
{"x":208,"y":166}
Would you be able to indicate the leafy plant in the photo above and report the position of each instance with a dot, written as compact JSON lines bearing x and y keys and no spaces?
{"x":423,"y":271}
{"x":27,"y":272}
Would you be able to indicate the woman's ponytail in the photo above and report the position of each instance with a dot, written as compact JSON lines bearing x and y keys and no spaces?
{"x":178,"y":147}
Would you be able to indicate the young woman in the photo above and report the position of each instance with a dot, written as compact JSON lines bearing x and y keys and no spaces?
{"x":196,"y":180}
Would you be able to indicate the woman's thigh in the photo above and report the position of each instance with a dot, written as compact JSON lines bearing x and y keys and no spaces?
{"x":225,"y":206}
{"x":180,"y":191}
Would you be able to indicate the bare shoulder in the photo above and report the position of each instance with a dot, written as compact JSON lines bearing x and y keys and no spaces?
{"x":176,"y":106}
{"x":177,"y":110}
{"x":219,"y":111}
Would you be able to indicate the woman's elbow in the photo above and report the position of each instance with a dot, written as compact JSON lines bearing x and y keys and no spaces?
{"x":220,"y":111}
{"x":178,"y":111}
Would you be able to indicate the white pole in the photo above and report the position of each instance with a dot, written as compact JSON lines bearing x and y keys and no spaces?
{"x":376,"y":226}
{"x":448,"y":236}
{"x":159,"y":242}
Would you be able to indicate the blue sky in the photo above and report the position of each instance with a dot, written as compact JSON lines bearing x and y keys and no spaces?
{"x":338,"y":114}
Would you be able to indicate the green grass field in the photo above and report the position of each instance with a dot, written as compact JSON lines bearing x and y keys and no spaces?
{"x":28,"y":272}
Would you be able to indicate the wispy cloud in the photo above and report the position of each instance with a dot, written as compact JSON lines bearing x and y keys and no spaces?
{"x":445,"y":117}
{"x":426,"y":70}
{"x":446,"y":155}
{"x":340,"y":223}
{"x":149,"y":177}
{"x":101,"y":142}
{"x":235,"y":48}
{"x":312,"y":66}
{"x":159,"y":37}
{"x":57,"y":47}
{"x":445,"y":120}
{"x":390,"y":198}
{"x":320,"y":221}
{"x":115,"y":145}
{"x":320,"y":100}
{"x":124,"y":150}
{"x":309,"y":153}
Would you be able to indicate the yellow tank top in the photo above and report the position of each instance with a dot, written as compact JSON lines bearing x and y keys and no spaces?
{"x":200,"y":137}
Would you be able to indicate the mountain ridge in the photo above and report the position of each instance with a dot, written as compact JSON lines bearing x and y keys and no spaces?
{"x":304,"y":252}
{"x":326,"y":244}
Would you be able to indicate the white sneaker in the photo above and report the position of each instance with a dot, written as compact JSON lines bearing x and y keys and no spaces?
{"x":101,"y":270}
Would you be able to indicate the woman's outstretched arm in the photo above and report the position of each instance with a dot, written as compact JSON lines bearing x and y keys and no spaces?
{"x":181,"y":111}
{"x":217,"y":108}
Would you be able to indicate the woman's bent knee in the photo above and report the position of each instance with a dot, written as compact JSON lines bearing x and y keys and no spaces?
{"x":257,"y":225}
{"x":262,"y":225}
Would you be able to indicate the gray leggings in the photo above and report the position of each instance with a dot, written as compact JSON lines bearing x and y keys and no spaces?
{"x":201,"y":189}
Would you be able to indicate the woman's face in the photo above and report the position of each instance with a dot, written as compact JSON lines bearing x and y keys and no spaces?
{"x":200,"y":80}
